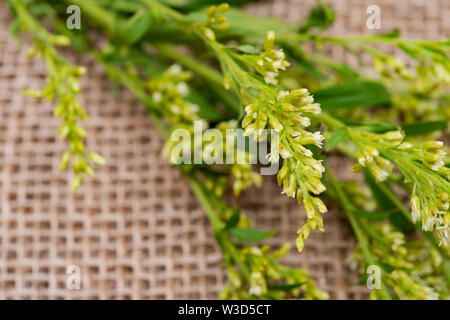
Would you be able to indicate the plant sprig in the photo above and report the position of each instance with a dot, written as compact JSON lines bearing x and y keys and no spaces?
{"x":63,"y":87}
{"x":270,"y":98}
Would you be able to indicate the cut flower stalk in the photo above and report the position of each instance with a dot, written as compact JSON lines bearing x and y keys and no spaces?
{"x":271,"y":99}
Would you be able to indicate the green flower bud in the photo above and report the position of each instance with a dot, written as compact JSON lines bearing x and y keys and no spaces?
{"x":282,"y":174}
{"x":282,"y":251}
{"x":76,"y":183}
{"x":223,"y":26}
{"x":275,"y":124}
{"x":300,"y":243}
{"x":270,"y":39}
{"x":310,"y":210}
{"x":227,"y":82}
{"x":223,"y":7}
{"x":319,"y":205}
{"x":287,"y":107}
{"x":65,"y":159}
{"x":96,"y":158}
{"x":211,"y":12}
{"x":60,"y":40}
{"x":246,"y":121}
{"x":209,"y":34}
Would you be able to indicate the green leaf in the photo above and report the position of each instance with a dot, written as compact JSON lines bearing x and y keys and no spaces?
{"x":353,"y":95}
{"x":175,"y":3}
{"x":433,"y":50}
{"x":14,"y":28}
{"x":251,"y":235}
{"x":249,"y":49}
{"x":340,"y":135}
{"x":297,"y":54}
{"x":363,"y":278}
{"x":249,"y":28}
{"x":252,"y":28}
{"x":125,"y":6}
{"x":377,"y":216}
{"x":321,"y":16}
{"x":190,"y":5}
{"x":385,"y":204}
{"x":135,"y":28}
{"x":345,"y":70}
{"x":379,"y":127}
{"x":421,"y":128}
{"x":284,"y":287}
{"x":393,"y":34}
{"x":233,"y":221}
{"x":40,"y":9}
{"x":206,"y":109}
{"x":410,"y":50}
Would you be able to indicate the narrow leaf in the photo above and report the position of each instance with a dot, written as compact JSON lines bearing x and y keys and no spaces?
{"x":321,"y":16}
{"x":379,"y":127}
{"x":386,"y":204}
{"x":393,"y":34}
{"x":135,"y":28}
{"x":249,"y":28}
{"x":251,"y":235}
{"x":353,"y":95}
{"x":249,"y":49}
{"x":410,"y":50}
{"x":284,"y":287}
{"x":206,"y":109}
{"x":372,"y":215}
{"x":420,"y":128}
{"x":340,"y":135}
{"x":233,"y":221}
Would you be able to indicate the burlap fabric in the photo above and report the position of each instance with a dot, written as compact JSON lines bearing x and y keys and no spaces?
{"x":136,"y":230}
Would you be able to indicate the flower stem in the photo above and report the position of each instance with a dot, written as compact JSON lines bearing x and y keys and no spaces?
{"x":97,"y":14}
{"x":206,"y":204}
{"x":221,"y":236}
{"x":357,"y":229}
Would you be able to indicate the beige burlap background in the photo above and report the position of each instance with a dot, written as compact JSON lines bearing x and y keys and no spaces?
{"x":136,"y":230}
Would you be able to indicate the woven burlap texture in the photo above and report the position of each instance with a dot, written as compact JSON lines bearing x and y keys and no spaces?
{"x":136,"y":230}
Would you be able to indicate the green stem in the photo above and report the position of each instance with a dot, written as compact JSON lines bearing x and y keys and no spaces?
{"x":206,"y":204}
{"x":329,"y":120}
{"x":165,"y":10}
{"x":357,"y":229}
{"x":380,"y":39}
{"x":235,"y":255}
{"x":363,"y":39}
{"x":96,"y":14}
{"x":221,"y":236}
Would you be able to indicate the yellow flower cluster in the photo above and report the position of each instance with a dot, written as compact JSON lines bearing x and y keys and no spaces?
{"x":369,"y":156}
{"x":268,"y":63}
{"x":169,"y":91}
{"x":214,"y":21}
{"x":264,"y":271}
{"x":288,"y":115}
